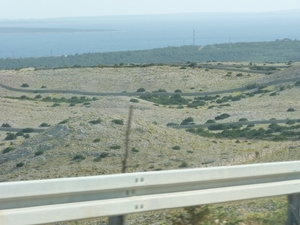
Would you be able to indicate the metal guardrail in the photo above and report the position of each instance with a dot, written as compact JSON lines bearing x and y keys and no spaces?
{"x":64,"y":199}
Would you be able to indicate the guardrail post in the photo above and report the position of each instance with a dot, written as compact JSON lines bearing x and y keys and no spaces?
{"x":116,"y":220}
{"x":293,"y":209}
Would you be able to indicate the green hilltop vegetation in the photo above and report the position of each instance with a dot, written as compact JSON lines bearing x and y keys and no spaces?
{"x":274,"y":51}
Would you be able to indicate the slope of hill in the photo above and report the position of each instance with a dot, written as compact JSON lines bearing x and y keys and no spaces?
{"x":86,"y":134}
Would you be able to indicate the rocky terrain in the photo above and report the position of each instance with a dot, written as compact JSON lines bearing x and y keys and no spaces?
{"x":87,"y":138}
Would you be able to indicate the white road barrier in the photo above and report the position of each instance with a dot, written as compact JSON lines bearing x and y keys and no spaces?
{"x":54,"y":200}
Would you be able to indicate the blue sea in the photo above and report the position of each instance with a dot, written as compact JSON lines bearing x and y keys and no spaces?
{"x":70,"y":36}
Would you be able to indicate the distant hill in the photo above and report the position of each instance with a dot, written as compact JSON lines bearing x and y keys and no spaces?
{"x":274,"y":51}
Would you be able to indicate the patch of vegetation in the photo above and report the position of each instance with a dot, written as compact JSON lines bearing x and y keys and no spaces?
{"x":115,"y":147}
{"x":8,"y":149}
{"x":165,"y":100}
{"x":134,"y":150}
{"x":274,"y":132}
{"x":5,"y":125}
{"x":25,"y":85}
{"x":183,"y":165}
{"x":222,"y":116}
{"x":172,"y":124}
{"x":187,"y":121}
{"x":10,"y":136}
{"x":243,"y":119}
{"x":97,"y":121}
{"x":141,"y":90}
{"x":20,"y":164}
{"x":134,"y":100}
{"x":40,"y":152}
{"x":291,"y":110}
{"x":96,"y":140}
{"x":64,"y":121}
{"x":118,"y":121}
{"x":45,"y":125}
{"x":78,"y":157}
{"x":176,"y":147}
{"x":28,"y":130}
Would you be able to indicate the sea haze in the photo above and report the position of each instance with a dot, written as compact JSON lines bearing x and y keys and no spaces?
{"x":69,"y":36}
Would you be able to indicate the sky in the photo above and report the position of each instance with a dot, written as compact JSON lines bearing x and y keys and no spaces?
{"x":41,"y":9}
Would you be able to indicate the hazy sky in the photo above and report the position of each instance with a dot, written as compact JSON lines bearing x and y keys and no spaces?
{"x":27,"y":9}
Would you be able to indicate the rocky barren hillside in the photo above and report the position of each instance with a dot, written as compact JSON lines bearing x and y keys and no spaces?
{"x":85,"y":136}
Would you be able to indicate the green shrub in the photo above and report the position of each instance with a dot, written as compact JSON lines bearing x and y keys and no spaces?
{"x":24,"y":85}
{"x":187,"y":121}
{"x":222,"y":116}
{"x":291,"y":122}
{"x":210,"y":121}
{"x":44,"y":125}
{"x":115,"y":147}
{"x":64,"y":121}
{"x":243,"y":119}
{"x":297,"y":84}
{"x":40,"y":152}
{"x":239,"y":75}
{"x":183,"y":164}
{"x":20,"y":164}
{"x":26,"y":136}
{"x":78,"y":157}
{"x":273,"y":94}
{"x":97,"y":159}
{"x":117,"y":121}
{"x":291,"y":110}
{"x":172,"y":124}
{"x":28,"y":130}
{"x":141,"y":90}
{"x":20,"y":133}
{"x":97,"y":121}
{"x":10,"y":136}
{"x":5,"y":125}
{"x":176,"y":147}
{"x":103,"y":155}
{"x":8,"y":149}
{"x":55,"y":105}
{"x":178,"y":91}
{"x":96,"y":140}
{"x":38,"y":96}
{"x":134,"y":150}
{"x":134,"y":100}
{"x":43,"y":86}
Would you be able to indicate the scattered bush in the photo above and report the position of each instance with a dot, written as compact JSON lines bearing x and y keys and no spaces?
{"x":103,"y":155}
{"x":45,"y":125}
{"x":5,"y":125}
{"x":134,"y":100}
{"x":183,"y":164}
{"x":20,"y":133}
{"x":25,"y":85}
{"x":176,"y":147}
{"x":97,"y":159}
{"x":273,"y":94}
{"x":55,"y":105}
{"x":28,"y":130}
{"x":210,"y":121}
{"x":172,"y":124}
{"x":239,"y":75}
{"x":38,"y":96}
{"x":20,"y":164}
{"x":115,"y":147}
{"x":96,"y":140}
{"x":64,"y":121}
{"x":26,"y":136}
{"x":78,"y":157}
{"x":97,"y":121}
{"x":10,"y":136}
{"x":134,"y":150}
{"x":243,"y":119}
{"x":117,"y":121}
{"x":43,"y":86}
{"x":187,"y":121}
{"x":178,"y":91}
{"x":8,"y":149}
{"x":141,"y":90}
{"x":222,"y":116}
{"x":291,"y":110}
{"x":40,"y":152}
